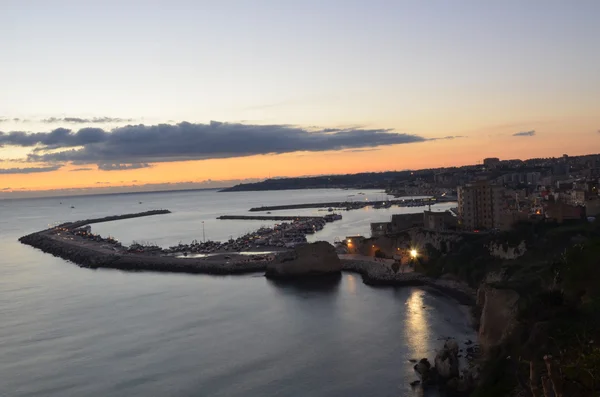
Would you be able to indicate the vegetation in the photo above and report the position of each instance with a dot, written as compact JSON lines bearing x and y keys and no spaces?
{"x":556,"y":343}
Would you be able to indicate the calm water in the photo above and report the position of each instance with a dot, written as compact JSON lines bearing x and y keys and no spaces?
{"x":67,"y":331}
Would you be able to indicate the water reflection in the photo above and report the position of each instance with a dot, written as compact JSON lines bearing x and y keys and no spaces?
{"x":416,"y":327}
{"x":351,"y":283}
{"x":321,"y":285}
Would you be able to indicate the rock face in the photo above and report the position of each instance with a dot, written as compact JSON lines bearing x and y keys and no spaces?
{"x":314,"y":259}
{"x":498,"y":315}
{"x":507,"y":252}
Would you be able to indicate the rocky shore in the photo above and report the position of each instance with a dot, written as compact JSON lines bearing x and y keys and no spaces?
{"x":374,"y":273}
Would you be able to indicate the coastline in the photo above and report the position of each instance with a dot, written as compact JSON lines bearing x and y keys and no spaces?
{"x":94,"y":255}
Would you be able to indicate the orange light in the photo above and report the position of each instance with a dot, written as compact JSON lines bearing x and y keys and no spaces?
{"x":413,"y":253}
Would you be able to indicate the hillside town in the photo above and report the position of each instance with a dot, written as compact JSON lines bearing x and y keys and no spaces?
{"x":498,"y":194}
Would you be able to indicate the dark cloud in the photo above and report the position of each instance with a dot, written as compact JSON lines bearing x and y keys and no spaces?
{"x":58,"y":138}
{"x":448,"y":137}
{"x":30,"y":170}
{"x":525,"y":133}
{"x":82,"y":169}
{"x":121,"y":167}
{"x":79,"y":120}
{"x":139,"y":144}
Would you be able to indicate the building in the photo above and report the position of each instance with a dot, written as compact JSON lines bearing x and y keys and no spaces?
{"x":402,"y":222}
{"x":439,"y":221}
{"x":380,"y":229}
{"x":354,"y":243}
{"x":491,"y":162}
{"x":560,"y":211}
{"x":592,"y":207}
{"x":480,"y":205}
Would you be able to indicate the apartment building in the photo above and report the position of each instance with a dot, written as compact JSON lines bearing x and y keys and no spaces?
{"x":480,"y":205}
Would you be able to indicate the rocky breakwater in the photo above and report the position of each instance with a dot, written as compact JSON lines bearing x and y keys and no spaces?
{"x":445,"y":373}
{"x":306,"y":260}
{"x":82,"y":255}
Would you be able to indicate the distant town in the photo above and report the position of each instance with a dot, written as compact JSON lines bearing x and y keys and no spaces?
{"x":493,"y":195}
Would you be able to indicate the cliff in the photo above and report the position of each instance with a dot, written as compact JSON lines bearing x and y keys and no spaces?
{"x":498,"y":315}
{"x":539,"y":313}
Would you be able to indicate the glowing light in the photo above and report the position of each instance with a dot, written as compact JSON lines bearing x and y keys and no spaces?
{"x":349,"y":240}
{"x":413,"y":253}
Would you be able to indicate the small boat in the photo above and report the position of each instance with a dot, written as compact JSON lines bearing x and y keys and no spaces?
{"x":140,"y":202}
{"x":72,"y":207}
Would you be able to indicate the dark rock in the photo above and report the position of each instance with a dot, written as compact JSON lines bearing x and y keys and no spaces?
{"x":415,"y":383}
{"x":314,"y":259}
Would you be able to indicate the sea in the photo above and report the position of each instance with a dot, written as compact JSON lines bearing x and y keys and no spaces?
{"x":69,"y":331}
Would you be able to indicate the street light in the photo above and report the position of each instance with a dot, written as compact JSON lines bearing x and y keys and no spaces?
{"x":413,"y":253}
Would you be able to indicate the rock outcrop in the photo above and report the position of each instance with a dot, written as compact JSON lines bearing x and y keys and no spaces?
{"x":315,"y":259}
{"x":498,"y":315}
{"x":446,"y":360}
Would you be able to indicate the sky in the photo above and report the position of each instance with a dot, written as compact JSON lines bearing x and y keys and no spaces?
{"x":135,"y":94}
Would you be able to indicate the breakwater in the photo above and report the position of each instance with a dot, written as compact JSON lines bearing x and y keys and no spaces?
{"x":94,"y":256}
{"x":348,"y":205}
{"x":266,"y":217}
{"x":76,"y":224}
{"x":64,"y":242}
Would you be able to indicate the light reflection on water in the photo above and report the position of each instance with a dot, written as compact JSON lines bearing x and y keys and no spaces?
{"x":351,"y":279}
{"x":416,"y":328}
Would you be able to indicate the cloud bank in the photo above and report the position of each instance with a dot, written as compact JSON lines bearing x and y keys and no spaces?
{"x":525,"y":133}
{"x":136,"y":146}
{"x":30,"y":170}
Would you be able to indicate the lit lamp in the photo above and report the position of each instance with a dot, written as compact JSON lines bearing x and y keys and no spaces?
{"x":413,"y":253}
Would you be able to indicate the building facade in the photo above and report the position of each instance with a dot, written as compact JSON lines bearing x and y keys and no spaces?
{"x":439,"y":221}
{"x":480,"y":206}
